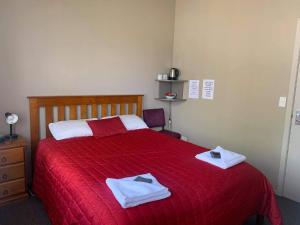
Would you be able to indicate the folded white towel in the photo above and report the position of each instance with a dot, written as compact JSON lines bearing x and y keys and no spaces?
{"x":131,"y":193}
{"x":227,"y":160}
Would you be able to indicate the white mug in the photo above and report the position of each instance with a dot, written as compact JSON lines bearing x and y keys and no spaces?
{"x":165,"y":76}
{"x":159,"y":76}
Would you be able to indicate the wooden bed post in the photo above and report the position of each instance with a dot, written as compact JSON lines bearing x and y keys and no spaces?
{"x":260,"y":220}
{"x":140,"y":106}
{"x":34,"y":126}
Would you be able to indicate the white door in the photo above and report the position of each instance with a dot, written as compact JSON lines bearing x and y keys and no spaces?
{"x":292,"y":176}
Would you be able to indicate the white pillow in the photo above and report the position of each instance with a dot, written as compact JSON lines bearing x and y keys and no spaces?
{"x":69,"y":129}
{"x":133,"y":122}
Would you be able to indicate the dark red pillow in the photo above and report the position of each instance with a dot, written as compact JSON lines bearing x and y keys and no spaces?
{"x":107,"y":127}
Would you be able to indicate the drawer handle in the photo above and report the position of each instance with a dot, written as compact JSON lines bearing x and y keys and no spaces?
{"x":3,"y":159}
{"x":4,"y":177}
{"x":5,"y":192}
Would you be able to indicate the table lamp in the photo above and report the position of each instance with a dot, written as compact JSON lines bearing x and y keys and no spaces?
{"x":11,"y":119}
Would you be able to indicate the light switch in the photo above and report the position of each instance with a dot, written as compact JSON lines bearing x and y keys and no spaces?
{"x":282,"y":102}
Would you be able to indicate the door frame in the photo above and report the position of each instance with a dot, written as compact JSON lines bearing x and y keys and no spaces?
{"x":294,"y":76}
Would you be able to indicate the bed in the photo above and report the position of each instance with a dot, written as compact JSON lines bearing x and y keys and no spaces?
{"x":69,"y":175}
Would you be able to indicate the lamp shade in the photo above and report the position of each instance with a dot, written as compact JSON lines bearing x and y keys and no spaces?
{"x":11,"y":118}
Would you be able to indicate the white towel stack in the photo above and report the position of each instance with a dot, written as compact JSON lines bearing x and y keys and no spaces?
{"x":227,"y":160}
{"x":130,"y":193}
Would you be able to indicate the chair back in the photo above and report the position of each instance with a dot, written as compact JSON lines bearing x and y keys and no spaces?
{"x":154,"y":117}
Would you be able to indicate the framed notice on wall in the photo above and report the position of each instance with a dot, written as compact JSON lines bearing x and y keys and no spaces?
{"x":208,"y":89}
{"x":194,"y":89}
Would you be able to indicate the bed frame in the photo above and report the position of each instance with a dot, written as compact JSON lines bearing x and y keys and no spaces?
{"x":82,"y":107}
{"x":77,"y":107}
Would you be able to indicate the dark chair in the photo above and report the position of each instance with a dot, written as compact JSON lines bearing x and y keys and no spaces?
{"x":156,"y":118}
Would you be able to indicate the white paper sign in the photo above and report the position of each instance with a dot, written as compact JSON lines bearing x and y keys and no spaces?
{"x":194,"y":91}
{"x":208,"y":89}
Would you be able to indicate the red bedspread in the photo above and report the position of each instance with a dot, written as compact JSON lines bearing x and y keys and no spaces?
{"x":70,"y":180}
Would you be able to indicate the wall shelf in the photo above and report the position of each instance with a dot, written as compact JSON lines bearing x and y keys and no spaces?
{"x":172,"y":81}
{"x":171,"y":100}
{"x":173,"y":86}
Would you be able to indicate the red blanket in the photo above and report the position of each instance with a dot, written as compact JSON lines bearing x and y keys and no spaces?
{"x":70,"y":180}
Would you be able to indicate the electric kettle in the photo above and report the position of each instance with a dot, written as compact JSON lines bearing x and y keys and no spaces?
{"x":174,"y":74}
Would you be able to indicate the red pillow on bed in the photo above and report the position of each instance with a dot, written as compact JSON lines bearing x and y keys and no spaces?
{"x":107,"y":127}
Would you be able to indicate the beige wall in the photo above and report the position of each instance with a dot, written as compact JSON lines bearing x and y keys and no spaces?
{"x":246,"y":46}
{"x":63,"y":47}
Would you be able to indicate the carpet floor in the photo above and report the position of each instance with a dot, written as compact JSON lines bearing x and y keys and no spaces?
{"x":32,"y":212}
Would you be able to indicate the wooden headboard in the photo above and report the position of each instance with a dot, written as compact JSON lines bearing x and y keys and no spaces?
{"x":77,"y":107}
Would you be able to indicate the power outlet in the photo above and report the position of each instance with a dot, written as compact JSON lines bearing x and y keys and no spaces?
{"x":184,"y":138}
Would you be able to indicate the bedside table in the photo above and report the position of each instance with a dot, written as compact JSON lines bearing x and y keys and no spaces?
{"x":12,"y":171}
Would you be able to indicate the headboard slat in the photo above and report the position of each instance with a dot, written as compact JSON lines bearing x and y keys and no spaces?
{"x":73,"y":112}
{"x":103,"y":110}
{"x":113,"y":109}
{"x":122,"y":109}
{"x":49,"y":119}
{"x":95,"y":111}
{"x":61,"y":113}
{"x":130,"y":108}
{"x":83,"y":112}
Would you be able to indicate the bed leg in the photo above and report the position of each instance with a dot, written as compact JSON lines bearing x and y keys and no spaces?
{"x":260,"y":220}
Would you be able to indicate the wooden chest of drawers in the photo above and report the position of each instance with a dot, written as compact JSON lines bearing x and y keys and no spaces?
{"x":12,"y":171}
